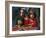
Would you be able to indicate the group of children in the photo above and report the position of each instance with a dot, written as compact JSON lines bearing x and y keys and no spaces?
{"x":29,"y":22}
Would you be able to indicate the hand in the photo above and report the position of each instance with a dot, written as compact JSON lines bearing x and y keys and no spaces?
{"x":25,"y":28}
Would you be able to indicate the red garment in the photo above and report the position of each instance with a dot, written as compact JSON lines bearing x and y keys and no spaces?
{"x":26,"y":22}
{"x":33,"y":22}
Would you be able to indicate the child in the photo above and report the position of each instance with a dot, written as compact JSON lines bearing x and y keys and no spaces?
{"x":26,"y":21}
{"x":33,"y":20}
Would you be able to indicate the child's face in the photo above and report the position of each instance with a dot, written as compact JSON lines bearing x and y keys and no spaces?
{"x":31,"y":16}
{"x":26,"y":17}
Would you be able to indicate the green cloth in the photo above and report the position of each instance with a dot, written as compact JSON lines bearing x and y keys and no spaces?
{"x":18,"y":18}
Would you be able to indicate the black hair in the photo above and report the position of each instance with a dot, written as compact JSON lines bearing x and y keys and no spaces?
{"x":33,"y":14}
{"x":31,"y":9}
{"x":21,"y":9}
{"x":25,"y":15}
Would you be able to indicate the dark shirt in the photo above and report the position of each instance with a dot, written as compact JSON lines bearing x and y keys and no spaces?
{"x":19,"y":18}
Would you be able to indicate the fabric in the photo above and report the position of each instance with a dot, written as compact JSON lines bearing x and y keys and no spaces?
{"x":33,"y":22}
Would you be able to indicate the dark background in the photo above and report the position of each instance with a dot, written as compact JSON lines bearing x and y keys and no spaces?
{"x":15,"y":12}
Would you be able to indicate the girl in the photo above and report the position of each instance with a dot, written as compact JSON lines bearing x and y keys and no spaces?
{"x":26,"y":23}
{"x":25,"y":20}
{"x":33,"y":20}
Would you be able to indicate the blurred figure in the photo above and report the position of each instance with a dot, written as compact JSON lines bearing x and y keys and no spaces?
{"x":19,"y":20}
{"x":32,"y":19}
{"x":26,"y":20}
{"x":20,"y":16}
